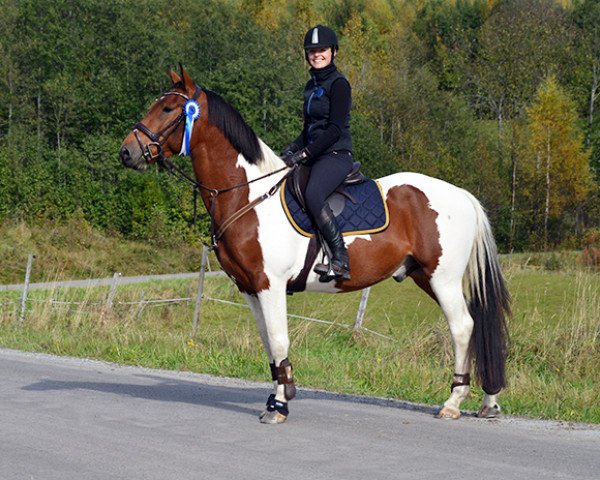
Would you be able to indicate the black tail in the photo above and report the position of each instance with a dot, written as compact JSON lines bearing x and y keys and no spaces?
{"x":489,"y":305}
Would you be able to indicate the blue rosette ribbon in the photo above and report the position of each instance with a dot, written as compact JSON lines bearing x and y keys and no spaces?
{"x":191,"y":110}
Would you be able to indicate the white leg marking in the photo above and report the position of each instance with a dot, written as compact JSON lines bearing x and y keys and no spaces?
{"x":455,"y":310}
{"x":489,"y":407}
{"x":273,"y":303}
{"x":256,"y":310}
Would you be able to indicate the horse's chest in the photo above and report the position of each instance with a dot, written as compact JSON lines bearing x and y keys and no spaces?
{"x":245,"y":268}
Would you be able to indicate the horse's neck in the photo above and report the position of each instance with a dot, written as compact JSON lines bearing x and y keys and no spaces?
{"x":241,"y":179}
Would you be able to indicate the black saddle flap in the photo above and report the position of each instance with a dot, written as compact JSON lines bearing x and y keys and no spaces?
{"x":298,"y":184}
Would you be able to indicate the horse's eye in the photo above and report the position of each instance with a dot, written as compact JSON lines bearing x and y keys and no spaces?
{"x":167,"y":109}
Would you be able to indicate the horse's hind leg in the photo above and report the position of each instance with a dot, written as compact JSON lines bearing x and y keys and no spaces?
{"x":452,"y":302}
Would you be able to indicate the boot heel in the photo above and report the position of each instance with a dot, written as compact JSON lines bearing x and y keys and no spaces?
{"x":341,"y":271}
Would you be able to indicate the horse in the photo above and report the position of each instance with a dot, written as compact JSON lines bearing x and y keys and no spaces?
{"x":438,"y":235}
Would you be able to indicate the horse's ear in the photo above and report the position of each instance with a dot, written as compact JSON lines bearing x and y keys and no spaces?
{"x":175,"y":78}
{"x":187,"y":80}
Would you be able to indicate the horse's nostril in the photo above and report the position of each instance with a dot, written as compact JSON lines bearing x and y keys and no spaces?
{"x":124,"y":154}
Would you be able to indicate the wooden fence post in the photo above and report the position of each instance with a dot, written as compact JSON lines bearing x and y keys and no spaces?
{"x":362,"y":307}
{"x":140,"y":306}
{"x":200,"y":291}
{"x":113,"y":289}
{"x":25,"y":288}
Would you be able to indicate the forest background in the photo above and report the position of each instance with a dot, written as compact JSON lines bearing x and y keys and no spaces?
{"x":496,"y":96}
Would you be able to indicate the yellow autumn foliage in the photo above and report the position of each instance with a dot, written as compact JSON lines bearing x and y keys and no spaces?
{"x":556,"y":169}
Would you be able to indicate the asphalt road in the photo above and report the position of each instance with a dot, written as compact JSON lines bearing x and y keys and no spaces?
{"x":65,"y":418}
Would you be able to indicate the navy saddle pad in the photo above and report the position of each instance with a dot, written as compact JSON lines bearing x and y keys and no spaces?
{"x":368,"y":215}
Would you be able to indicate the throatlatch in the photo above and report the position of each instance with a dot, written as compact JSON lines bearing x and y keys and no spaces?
{"x":284,"y":376}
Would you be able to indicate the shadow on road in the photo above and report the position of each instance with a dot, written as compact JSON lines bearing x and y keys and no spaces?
{"x":168,"y":390}
{"x":223,"y":397}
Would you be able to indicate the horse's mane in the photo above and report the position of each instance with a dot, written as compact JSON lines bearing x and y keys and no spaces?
{"x":235,"y":129}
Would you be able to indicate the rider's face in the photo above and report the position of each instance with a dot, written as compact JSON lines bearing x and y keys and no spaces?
{"x":319,"y":57}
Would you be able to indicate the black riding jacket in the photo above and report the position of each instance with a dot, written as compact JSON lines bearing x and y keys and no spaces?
{"x":327,"y":102}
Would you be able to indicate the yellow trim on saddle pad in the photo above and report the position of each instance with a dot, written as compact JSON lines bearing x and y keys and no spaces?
{"x":356,"y":232}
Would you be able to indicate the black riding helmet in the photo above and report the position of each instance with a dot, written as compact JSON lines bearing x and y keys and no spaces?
{"x":320,"y":37}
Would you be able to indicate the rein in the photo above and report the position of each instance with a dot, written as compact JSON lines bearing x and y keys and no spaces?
{"x":178,"y":173}
{"x":250,"y":206}
{"x":160,"y":138}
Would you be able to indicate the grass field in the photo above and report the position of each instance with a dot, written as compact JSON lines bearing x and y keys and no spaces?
{"x":553,"y":365}
{"x":74,"y":250}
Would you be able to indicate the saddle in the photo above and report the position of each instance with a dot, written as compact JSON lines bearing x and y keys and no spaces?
{"x":299,"y":181}
{"x":358,"y":205}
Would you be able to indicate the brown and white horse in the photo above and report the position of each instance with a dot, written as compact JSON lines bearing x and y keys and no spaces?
{"x":438,"y":234}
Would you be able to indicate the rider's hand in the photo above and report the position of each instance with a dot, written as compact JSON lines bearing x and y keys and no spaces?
{"x":293,"y":158}
{"x":291,"y":148}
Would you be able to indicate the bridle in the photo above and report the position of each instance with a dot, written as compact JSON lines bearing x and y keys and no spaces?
{"x":161,"y":137}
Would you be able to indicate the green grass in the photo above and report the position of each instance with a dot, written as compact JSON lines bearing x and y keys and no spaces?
{"x":74,"y":250}
{"x":553,"y":364}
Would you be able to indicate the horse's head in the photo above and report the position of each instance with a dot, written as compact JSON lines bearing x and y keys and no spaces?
{"x":161,"y":132}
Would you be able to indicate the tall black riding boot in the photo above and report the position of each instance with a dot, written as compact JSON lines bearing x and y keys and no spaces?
{"x":340,"y":265}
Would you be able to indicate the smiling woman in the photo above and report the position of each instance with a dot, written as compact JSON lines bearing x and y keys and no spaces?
{"x":319,"y":57}
{"x":437,"y":234}
{"x":325,"y":144}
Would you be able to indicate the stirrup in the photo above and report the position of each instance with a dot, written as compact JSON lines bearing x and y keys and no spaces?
{"x":334,"y":271}
{"x":321,"y":268}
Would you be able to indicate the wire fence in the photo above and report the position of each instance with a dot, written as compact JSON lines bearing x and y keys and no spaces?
{"x":109,"y":300}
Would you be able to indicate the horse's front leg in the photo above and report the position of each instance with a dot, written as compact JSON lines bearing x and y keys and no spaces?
{"x":270,"y":311}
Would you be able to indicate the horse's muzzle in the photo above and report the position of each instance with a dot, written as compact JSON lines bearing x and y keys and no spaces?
{"x":129,"y":161}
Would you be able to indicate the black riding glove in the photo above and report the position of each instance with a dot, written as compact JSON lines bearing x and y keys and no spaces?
{"x":291,"y":148}
{"x":293,"y":158}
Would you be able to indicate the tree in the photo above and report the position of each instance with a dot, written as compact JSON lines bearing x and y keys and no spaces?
{"x":521,"y":43}
{"x":585,"y":76}
{"x":450,"y":33}
{"x":557,"y":168}
{"x":8,"y":80}
{"x":586,"y":16}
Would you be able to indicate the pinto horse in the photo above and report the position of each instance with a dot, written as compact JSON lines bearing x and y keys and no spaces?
{"x":438,"y":234}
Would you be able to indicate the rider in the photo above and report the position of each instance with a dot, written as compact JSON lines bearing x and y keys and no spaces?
{"x":325,"y":144}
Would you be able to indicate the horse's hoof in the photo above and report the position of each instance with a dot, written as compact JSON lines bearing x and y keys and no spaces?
{"x":489,"y":411}
{"x":272,"y":417}
{"x":450,"y":413}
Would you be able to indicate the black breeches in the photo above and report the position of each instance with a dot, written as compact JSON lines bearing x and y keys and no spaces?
{"x":326,"y":174}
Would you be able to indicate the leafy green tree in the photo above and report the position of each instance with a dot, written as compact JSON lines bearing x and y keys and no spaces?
{"x":586,"y":16}
{"x":440,"y":87}
{"x":450,"y":32}
{"x":585,"y":79}
{"x":521,"y":43}
{"x":8,"y":70}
